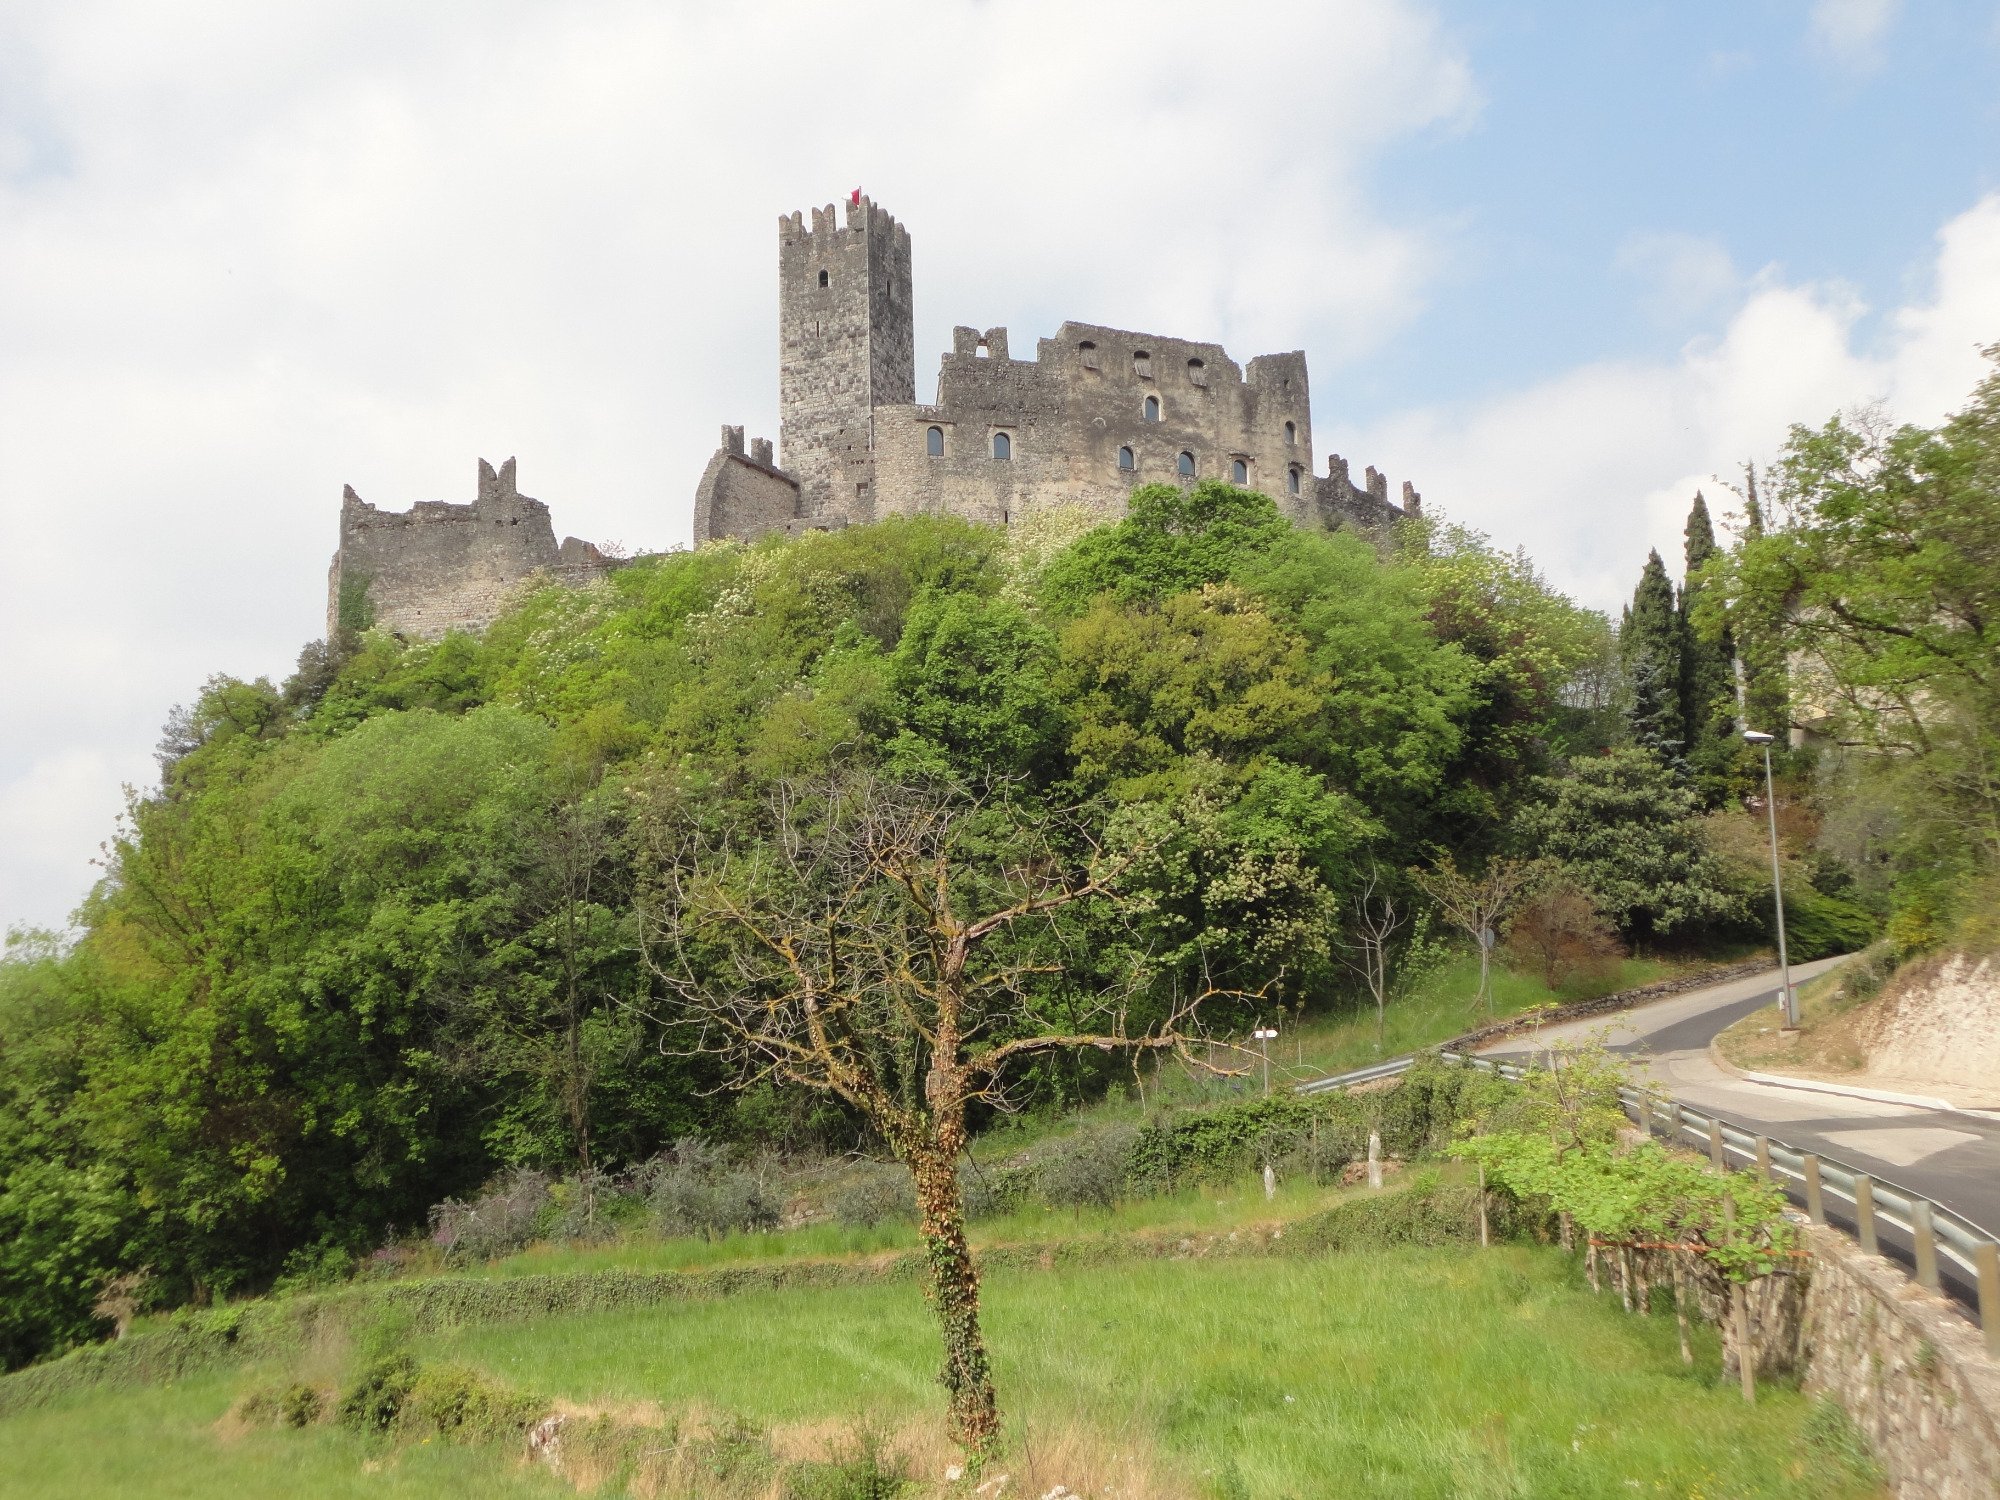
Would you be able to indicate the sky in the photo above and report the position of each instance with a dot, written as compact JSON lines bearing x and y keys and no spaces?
{"x":1558,"y":264}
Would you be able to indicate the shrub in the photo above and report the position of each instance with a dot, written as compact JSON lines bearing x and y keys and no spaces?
{"x":376,"y":1398}
{"x":1091,"y":1170}
{"x":1558,"y":933}
{"x":878,"y":1193}
{"x":693,"y":1190}
{"x":451,"y":1401}
{"x":499,"y":1222}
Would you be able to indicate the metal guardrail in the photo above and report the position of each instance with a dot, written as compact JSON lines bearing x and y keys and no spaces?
{"x":1945,"y":1251}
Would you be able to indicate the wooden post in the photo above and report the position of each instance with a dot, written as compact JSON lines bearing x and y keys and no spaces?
{"x":1482,"y":1206}
{"x":1715,"y":1156}
{"x":1746,"y":1357}
{"x":1864,"y":1214}
{"x":1374,"y":1159}
{"x":1815,"y":1199}
{"x":1763,"y":1158}
{"x":1987,"y":1259}
{"x":1674,"y":1123}
{"x":1739,"y":1307}
{"x":1924,"y":1231}
{"x":1681,"y":1306}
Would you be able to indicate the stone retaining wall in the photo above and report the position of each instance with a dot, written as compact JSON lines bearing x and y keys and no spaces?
{"x":1910,"y":1371}
{"x":1604,"y":1005}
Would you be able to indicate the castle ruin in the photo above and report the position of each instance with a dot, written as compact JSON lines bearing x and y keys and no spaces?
{"x":438,"y":567}
{"x":1097,"y":412}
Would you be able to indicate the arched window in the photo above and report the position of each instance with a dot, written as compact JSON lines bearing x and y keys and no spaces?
{"x":1186,"y":465}
{"x":1126,"y":460}
{"x":1291,"y":434}
{"x":1239,"y":472}
{"x":822,"y":278}
{"x":1003,"y":445}
{"x":934,"y":442}
{"x":1292,"y":480}
{"x":1152,"y":409}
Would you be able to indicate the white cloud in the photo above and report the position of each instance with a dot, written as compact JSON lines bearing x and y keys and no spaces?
{"x":1686,"y":275}
{"x":1591,"y":468}
{"x":250,"y":253}
{"x":1853,"y":32}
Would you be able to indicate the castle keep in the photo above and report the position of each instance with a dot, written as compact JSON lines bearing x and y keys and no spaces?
{"x":1095,"y":413}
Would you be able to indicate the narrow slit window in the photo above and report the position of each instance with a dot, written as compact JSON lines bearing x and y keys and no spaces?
{"x":934,"y":442}
{"x":822,"y":278}
{"x":1152,"y":409}
{"x":1292,"y":482}
{"x":1126,"y":460}
{"x":1291,"y":434}
{"x":1003,"y":445}
{"x":1186,"y":465}
{"x":1239,"y":472}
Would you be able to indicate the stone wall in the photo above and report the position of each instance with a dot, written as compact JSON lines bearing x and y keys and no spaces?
{"x":744,"y":494}
{"x":439,"y":567}
{"x":1910,"y":1371}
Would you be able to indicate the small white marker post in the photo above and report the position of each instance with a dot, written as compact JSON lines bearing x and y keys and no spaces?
{"x":1265,"y":1035}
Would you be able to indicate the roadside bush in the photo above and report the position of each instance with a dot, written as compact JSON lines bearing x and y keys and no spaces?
{"x":1818,"y":925}
{"x":1559,"y":934}
{"x":877,"y":1193}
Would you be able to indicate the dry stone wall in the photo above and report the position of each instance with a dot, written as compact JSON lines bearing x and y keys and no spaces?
{"x":1910,"y":1371}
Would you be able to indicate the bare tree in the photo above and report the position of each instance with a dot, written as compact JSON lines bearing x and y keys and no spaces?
{"x":1375,"y":919}
{"x":1475,"y":904}
{"x":902,"y":949}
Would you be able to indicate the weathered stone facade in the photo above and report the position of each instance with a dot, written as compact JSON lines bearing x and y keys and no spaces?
{"x":438,"y":567}
{"x":1096,"y":412}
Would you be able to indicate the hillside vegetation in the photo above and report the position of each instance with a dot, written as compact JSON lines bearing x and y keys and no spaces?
{"x":394,"y":927}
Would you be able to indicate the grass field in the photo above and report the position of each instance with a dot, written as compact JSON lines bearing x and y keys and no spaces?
{"x":1446,"y":1372}
{"x":1412,"y":1373}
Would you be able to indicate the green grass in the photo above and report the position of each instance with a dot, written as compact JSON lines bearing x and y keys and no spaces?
{"x":1409,"y":1373}
{"x":162,"y":1443}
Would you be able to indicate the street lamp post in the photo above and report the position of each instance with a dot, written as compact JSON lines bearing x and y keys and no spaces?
{"x":1790,"y":1002}
{"x":1265,"y":1035}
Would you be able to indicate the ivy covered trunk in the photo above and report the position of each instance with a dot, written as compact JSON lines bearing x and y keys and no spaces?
{"x":954,"y":1292}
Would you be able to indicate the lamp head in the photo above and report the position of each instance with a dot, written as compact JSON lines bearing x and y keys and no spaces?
{"x":1758,"y":737}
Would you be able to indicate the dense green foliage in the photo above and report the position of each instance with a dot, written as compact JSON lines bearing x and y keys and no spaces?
{"x":374,"y":938}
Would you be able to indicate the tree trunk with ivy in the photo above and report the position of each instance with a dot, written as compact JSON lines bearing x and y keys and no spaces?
{"x":953,"y":1289}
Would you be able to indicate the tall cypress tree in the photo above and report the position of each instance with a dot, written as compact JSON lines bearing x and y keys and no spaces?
{"x":1650,"y":647}
{"x":1708,"y":667}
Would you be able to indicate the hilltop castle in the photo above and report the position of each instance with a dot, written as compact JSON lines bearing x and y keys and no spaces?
{"x":1096,"y":412}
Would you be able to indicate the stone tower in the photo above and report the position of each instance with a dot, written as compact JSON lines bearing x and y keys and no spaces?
{"x":846,"y":345}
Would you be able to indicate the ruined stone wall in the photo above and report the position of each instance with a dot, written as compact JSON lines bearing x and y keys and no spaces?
{"x":439,"y":567}
{"x":846,"y":345}
{"x":744,"y":494}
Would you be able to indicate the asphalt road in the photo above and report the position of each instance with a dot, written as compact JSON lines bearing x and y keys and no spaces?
{"x":1948,"y":1156}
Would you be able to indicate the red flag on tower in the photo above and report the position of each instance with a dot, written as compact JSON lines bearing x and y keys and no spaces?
{"x":855,"y":197}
